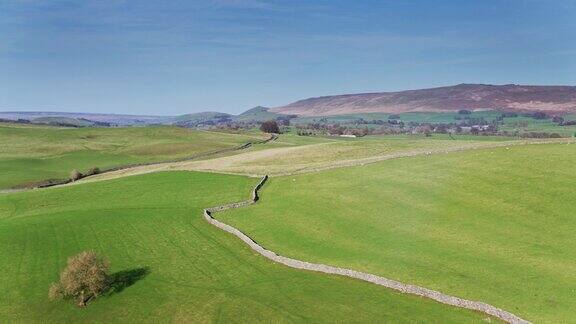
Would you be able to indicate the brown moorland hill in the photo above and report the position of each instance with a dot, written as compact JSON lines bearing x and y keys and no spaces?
{"x":556,"y":99}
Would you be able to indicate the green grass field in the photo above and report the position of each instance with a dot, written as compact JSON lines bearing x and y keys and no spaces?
{"x":495,"y":225}
{"x":35,"y":153}
{"x":280,"y":158}
{"x":301,"y":154}
{"x":527,"y":125}
{"x":180,"y":268}
{"x":511,"y":124}
{"x":490,"y":223}
{"x":420,"y":117}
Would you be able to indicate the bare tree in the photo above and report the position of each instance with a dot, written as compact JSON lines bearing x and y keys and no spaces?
{"x":86,"y":276}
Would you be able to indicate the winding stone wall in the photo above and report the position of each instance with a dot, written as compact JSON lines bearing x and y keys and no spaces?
{"x":389,"y":283}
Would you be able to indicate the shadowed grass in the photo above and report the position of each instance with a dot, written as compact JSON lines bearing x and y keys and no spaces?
{"x":123,"y":279}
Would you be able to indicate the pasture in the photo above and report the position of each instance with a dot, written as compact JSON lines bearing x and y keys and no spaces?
{"x":301,"y":154}
{"x":340,"y":153}
{"x":420,"y":117}
{"x":520,"y":124}
{"x":175,"y":267}
{"x":492,"y":224}
{"x":35,"y":153}
{"x":527,"y":125}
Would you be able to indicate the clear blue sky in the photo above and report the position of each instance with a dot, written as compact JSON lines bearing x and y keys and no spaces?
{"x":173,"y":57}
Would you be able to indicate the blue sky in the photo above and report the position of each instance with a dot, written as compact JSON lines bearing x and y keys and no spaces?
{"x":173,"y":57}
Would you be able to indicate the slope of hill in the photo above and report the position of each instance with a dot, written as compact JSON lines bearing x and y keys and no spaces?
{"x":78,"y":122}
{"x":201,"y":116}
{"x":116,"y":119}
{"x":205,"y":118}
{"x":208,"y":118}
{"x":491,"y":224}
{"x":171,"y":265}
{"x":258,"y":114}
{"x":463,"y":96}
{"x":29,"y":154}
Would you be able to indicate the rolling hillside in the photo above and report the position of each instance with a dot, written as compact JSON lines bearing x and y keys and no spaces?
{"x":31,"y":154}
{"x":473,"y":224}
{"x":475,"y":97}
{"x":408,"y":216}
{"x":178,"y":268}
{"x":511,"y":97}
{"x":116,"y":119}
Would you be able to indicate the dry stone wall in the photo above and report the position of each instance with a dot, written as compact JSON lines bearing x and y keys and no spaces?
{"x":389,"y":283}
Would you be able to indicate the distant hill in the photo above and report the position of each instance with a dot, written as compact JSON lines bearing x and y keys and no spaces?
{"x":258,"y":114}
{"x":475,"y":97}
{"x":202,"y":116}
{"x":206,"y":118}
{"x":560,"y":99}
{"x":78,"y":122}
{"x":83,"y":118}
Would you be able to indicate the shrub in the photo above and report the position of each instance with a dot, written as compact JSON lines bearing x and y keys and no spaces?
{"x":464,"y":112}
{"x":508,"y":114}
{"x":86,"y":276}
{"x":75,"y":175}
{"x":93,"y":171}
{"x":270,"y":126}
{"x":536,"y":115}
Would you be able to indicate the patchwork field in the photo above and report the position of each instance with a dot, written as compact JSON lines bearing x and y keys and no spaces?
{"x":520,"y":124}
{"x":420,"y":117}
{"x":525,"y":124}
{"x":291,"y":154}
{"x":338,"y":154}
{"x":482,"y":218}
{"x":493,"y":224}
{"x":175,"y":266}
{"x":35,"y":153}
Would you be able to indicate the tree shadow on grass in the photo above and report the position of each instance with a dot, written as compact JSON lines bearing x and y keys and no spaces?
{"x":123,"y":279}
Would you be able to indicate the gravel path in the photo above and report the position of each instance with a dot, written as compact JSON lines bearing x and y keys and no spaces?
{"x":389,"y":283}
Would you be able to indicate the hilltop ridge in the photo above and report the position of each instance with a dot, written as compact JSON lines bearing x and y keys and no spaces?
{"x":510,"y":97}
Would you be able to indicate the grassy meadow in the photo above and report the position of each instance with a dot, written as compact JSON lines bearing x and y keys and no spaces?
{"x":279,"y":158}
{"x":527,"y":125}
{"x":520,"y":124}
{"x":176,"y":267}
{"x":420,"y":117}
{"x":494,"y":224}
{"x":35,"y":153}
{"x":303,"y":154}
